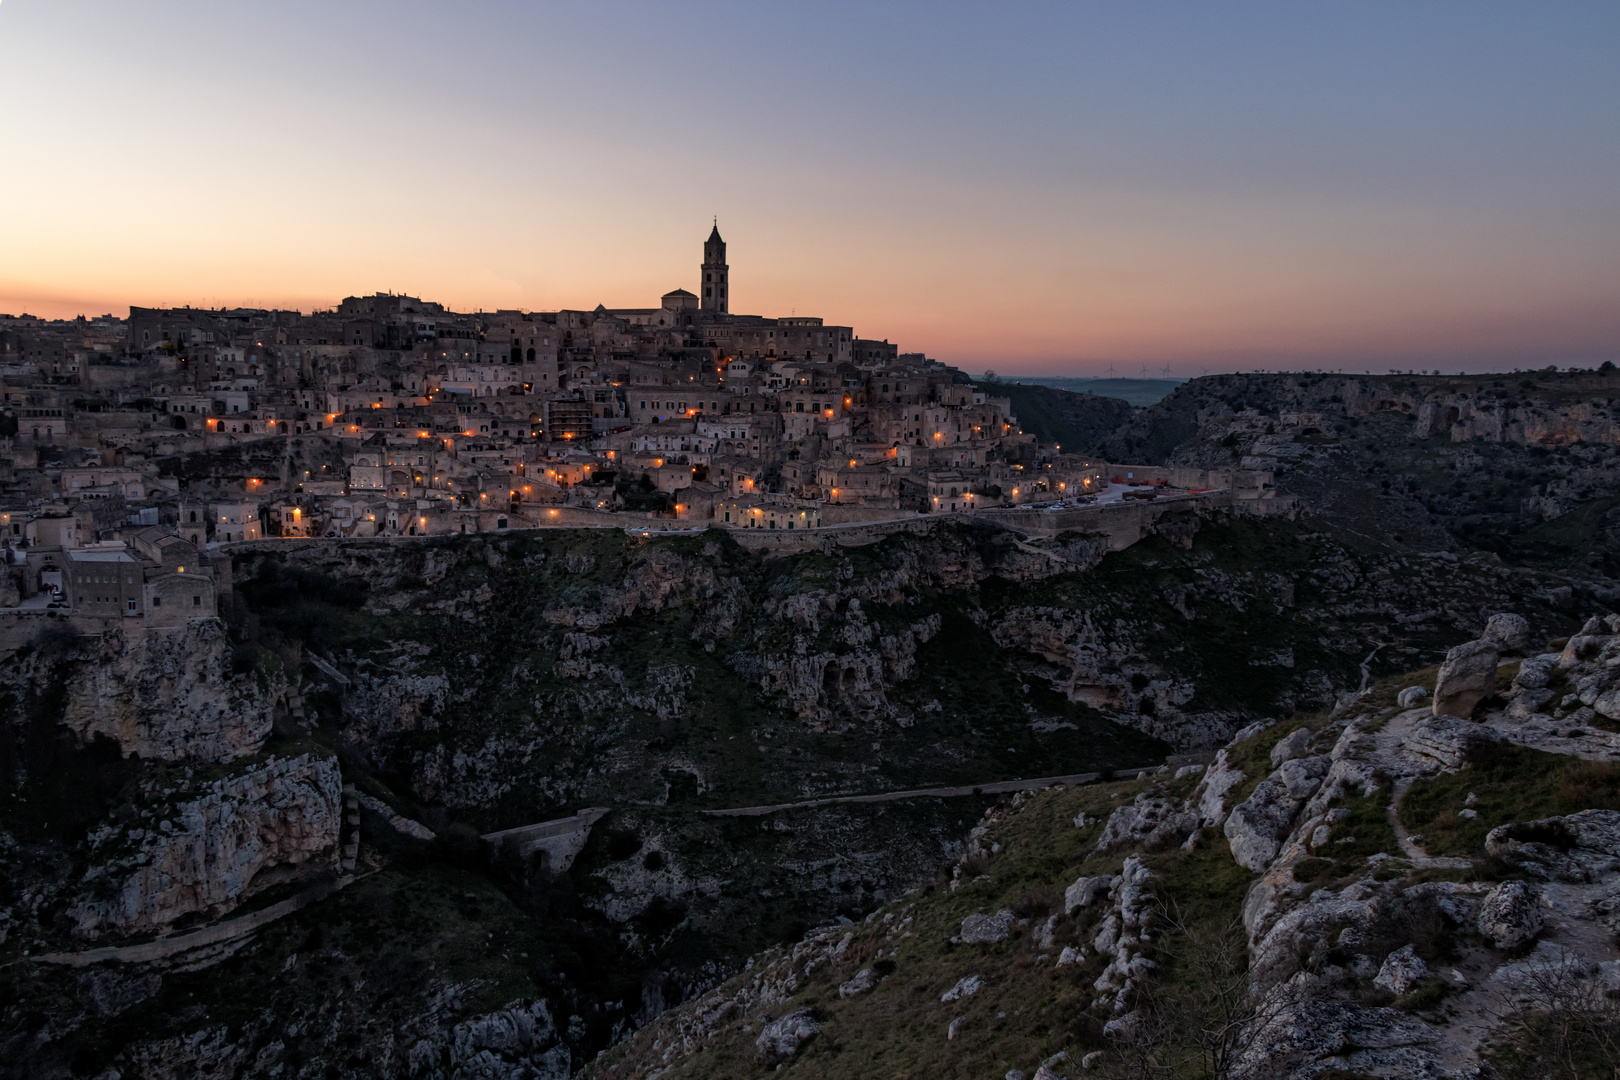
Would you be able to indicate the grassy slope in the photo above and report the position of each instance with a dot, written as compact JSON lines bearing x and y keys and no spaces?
{"x":1028,"y":1009}
{"x":1509,"y":783}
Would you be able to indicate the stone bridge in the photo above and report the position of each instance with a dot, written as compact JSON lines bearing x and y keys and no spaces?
{"x":557,"y":841}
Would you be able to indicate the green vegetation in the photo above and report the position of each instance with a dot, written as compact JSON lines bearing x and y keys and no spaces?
{"x":1509,"y":783}
{"x":1027,"y":1010}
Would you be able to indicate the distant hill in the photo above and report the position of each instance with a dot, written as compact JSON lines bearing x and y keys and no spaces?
{"x":1139,"y":392}
{"x":1523,"y":465}
{"x":1077,"y":422}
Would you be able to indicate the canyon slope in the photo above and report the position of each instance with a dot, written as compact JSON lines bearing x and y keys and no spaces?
{"x":306,"y":781}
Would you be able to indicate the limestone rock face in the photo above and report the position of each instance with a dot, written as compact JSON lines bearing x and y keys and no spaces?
{"x":1510,"y":632}
{"x":512,"y":1041}
{"x":1332,"y":1035}
{"x":169,"y":694}
{"x":1466,"y":678}
{"x":1098,"y":668}
{"x":1210,"y":797}
{"x":1150,"y":822}
{"x":857,"y":680}
{"x":1581,"y":847}
{"x":1293,"y":746}
{"x":272,"y":823}
{"x":1449,"y":740}
{"x":1257,"y":826}
{"x":1510,"y":914}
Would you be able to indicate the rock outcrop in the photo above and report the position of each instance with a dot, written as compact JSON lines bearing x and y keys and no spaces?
{"x":272,"y":823}
{"x":1257,"y":826}
{"x":1466,"y":678}
{"x":782,"y":1038}
{"x":164,"y":694}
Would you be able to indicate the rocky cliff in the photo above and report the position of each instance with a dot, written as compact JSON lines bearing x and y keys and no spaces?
{"x":473,"y":684}
{"x":1524,"y":465}
{"x":163,"y":694}
{"x":271,"y":824}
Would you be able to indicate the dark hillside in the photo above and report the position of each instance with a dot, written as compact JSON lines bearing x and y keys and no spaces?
{"x":1526,"y":466}
{"x":1077,"y":422}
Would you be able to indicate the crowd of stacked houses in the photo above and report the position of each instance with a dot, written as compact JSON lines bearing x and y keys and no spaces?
{"x":391,"y":415}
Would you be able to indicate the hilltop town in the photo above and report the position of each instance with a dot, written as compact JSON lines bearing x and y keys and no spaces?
{"x":133,"y":446}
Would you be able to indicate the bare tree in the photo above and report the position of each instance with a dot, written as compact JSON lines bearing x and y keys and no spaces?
{"x":1207,"y":1020}
{"x":1558,"y":1021}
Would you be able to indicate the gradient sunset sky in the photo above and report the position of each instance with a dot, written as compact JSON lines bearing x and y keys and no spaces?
{"x":1035,"y":187}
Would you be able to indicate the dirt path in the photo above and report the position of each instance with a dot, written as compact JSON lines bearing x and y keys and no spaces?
{"x":217,"y":933}
{"x":995,"y":788}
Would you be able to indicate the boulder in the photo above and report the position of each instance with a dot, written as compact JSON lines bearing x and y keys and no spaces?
{"x":1292,"y":746}
{"x":1466,"y":678}
{"x":1084,"y":892}
{"x":1584,"y":645}
{"x":986,"y":929}
{"x":781,"y":1039}
{"x":1528,"y":702}
{"x":1401,"y":971}
{"x":1412,"y":697}
{"x":1548,"y":965}
{"x":1510,"y":914}
{"x":864,"y":980}
{"x":1508,"y":632}
{"x":965,"y":987}
{"x":1302,"y":776}
{"x":1535,"y":672}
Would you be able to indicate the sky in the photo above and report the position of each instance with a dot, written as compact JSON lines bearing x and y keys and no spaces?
{"x":1038,"y":188}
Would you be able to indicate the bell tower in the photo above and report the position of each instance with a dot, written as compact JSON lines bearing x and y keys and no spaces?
{"x":713,"y":293}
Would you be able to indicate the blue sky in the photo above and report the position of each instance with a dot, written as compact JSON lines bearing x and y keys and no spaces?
{"x":1033,"y":187}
